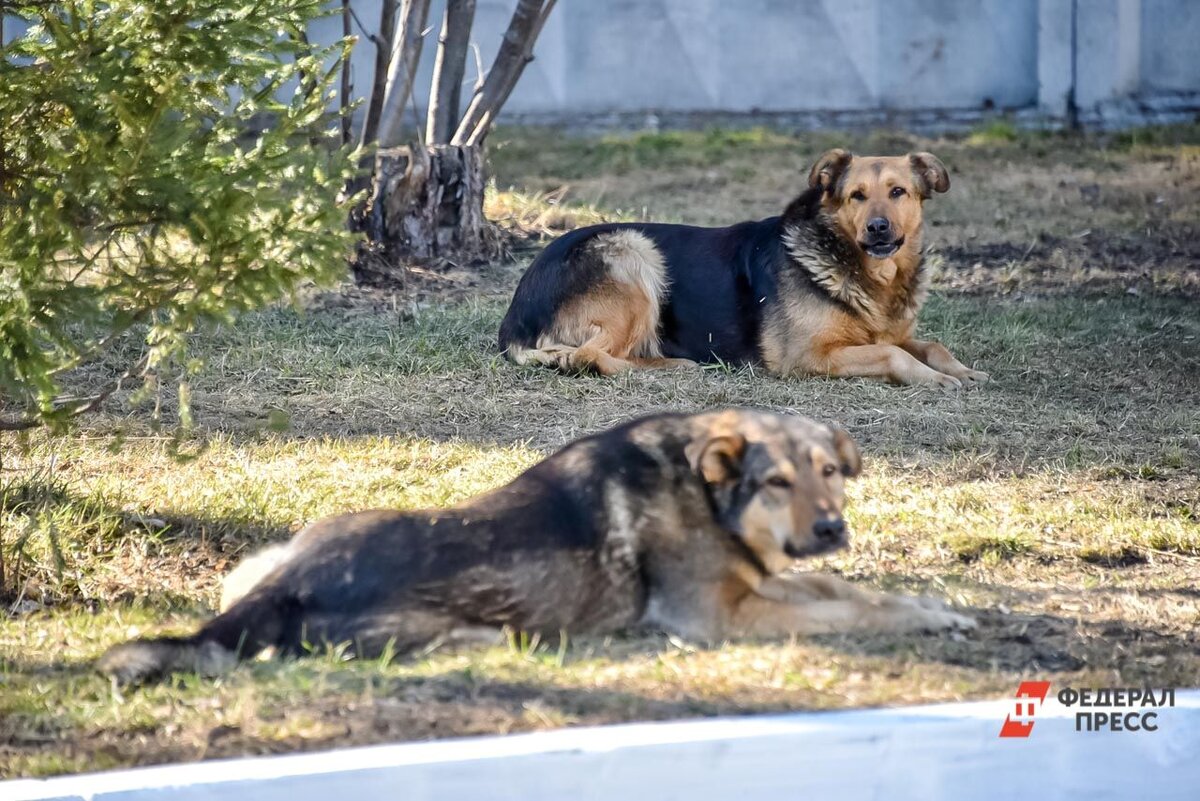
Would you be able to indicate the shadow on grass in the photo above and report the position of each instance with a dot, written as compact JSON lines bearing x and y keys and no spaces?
{"x":1016,"y":643}
{"x":80,"y":550}
{"x":310,"y":703}
{"x":1037,"y":645}
{"x":352,"y":710}
{"x":1064,"y":369}
{"x":1060,"y":367}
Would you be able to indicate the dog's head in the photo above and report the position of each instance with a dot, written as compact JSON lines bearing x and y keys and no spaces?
{"x":776,"y":482}
{"x":876,"y":200}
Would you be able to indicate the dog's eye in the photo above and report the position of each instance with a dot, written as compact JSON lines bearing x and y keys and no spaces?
{"x":778,"y":481}
{"x":857,"y":195}
{"x":897,"y":192}
{"x":828,"y":470}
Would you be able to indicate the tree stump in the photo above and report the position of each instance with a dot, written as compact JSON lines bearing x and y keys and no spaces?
{"x":425,"y":206}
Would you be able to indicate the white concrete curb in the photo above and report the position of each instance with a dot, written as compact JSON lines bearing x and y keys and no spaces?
{"x":947,"y":751}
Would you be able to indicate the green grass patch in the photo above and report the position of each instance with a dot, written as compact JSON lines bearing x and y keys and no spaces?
{"x":993,"y":132}
{"x":620,"y":154}
{"x":1061,"y":502}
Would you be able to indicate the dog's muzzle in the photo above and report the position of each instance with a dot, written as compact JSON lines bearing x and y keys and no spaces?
{"x":882,"y":249}
{"x":816,"y":546}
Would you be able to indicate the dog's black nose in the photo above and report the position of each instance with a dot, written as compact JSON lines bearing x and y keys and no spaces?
{"x":878,"y":225}
{"x":827,"y":530}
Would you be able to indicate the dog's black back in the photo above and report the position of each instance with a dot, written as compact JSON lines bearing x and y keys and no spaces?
{"x":720,"y":280}
{"x":533,"y":554}
{"x":552,"y":515}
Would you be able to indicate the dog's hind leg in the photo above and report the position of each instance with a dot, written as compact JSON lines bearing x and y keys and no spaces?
{"x":395,"y":631}
{"x":597,"y":354}
{"x":609,"y":356}
{"x":593,"y":356}
{"x":621,"y":330}
{"x":612,"y":326}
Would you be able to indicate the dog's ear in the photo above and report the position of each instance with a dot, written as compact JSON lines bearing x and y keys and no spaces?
{"x":829,"y":168}
{"x":930,"y":173}
{"x":847,"y":451}
{"x":717,"y":459}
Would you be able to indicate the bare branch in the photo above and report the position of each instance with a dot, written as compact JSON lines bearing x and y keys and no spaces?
{"x":406,"y":51}
{"x":412,"y":103}
{"x":516,"y":50}
{"x":383,"y":51}
{"x":478,"y":85}
{"x":308,"y":82}
{"x":346,"y":90}
{"x":448,"y":70}
{"x":527,"y":57}
{"x":102,"y":345}
{"x":370,"y":37}
{"x":77,"y":406}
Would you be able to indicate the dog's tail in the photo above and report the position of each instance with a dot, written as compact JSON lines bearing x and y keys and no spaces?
{"x":140,"y":661}
{"x":264,"y":618}
{"x":253,"y":617}
{"x":546,"y":354}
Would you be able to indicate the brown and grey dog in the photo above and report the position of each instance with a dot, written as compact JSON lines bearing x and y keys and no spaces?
{"x":686,"y":523}
{"x":831,"y":287}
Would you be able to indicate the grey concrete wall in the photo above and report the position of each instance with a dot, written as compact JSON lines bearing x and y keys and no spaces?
{"x":1170,"y":51}
{"x":830,"y":62}
{"x":1122,"y":61}
{"x":600,"y":56}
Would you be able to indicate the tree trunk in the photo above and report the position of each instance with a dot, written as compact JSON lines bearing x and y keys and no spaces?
{"x":448,"y":70}
{"x":406,"y":53}
{"x":384,"y":43}
{"x":425,"y":200}
{"x":427,"y":206}
{"x":516,"y":50}
{"x":345,"y":89}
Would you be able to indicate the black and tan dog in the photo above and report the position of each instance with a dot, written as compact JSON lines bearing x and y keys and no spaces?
{"x":686,"y":523}
{"x":831,"y":287}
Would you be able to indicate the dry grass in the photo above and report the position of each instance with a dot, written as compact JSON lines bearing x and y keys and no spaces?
{"x":1062,"y":502}
{"x":1034,"y":211}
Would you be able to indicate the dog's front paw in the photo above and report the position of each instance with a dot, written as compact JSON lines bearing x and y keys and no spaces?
{"x":945,"y":620}
{"x":975,"y":378}
{"x":916,"y":602}
{"x":944,"y":381}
